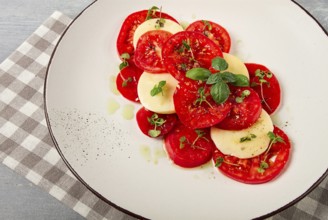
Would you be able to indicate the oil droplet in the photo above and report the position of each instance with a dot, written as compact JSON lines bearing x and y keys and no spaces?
{"x":112,"y":85}
{"x":158,"y":154}
{"x":145,"y":152}
{"x":112,"y":106}
{"x":128,"y":112}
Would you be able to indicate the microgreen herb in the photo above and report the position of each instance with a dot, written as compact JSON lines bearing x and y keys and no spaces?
{"x":125,"y":57}
{"x":260,"y":74}
{"x":151,"y":12}
{"x":158,"y":88}
{"x":273,"y":140}
{"x":125,"y":82}
{"x":156,"y":122}
{"x":242,"y":96}
{"x":263,"y":166}
{"x":220,"y":90}
{"x":220,"y":160}
{"x":247,"y":138}
{"x":202,"y":97}
{"x":200,"y":134}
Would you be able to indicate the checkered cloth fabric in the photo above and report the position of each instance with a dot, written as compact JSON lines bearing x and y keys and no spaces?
{"x":27,"y":148}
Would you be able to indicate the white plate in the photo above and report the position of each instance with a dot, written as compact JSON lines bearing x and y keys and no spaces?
{"x":106,"y":151}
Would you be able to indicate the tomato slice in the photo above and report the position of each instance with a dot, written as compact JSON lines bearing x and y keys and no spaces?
{"x":269,"y":90}
{"x":186,"y":50}
{"x":127,"y":82}
{"x":213,"y":31}
{"x":153,"y":124}
{"x":259,"y":169}
{"x":246,"y":109}
{"x":148,"y":54}
{"x":187,"y":147}
{"x":124,"y":41}
{"x":196,"y":108}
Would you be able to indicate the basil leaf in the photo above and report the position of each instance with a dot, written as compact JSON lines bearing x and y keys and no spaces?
{"x":218,"y":63}
{"x":228,"y":77}
{"x":214,"y":78}
{"x":241,"y":80}
{"x":220,"y":92}
{"x":198,"y":74}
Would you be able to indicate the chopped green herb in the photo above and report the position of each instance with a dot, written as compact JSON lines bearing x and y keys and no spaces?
{"x":247,"y":138}
{"x":159,"y":23}
{"x":158,"y":88}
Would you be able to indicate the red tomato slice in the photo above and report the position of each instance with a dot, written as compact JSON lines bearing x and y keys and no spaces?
{"x":195,"y":113}
{"x":147,"y":120}
{"x":246,"y":109}
{"x":187,"y":147}
{"x":213,"y":31}
{"x":250,"y":170}
{"x":127,"y":82}
{"x":186,"y":50}
{"x":148,"y":54}
{"x":269,"y":92}
{"x":125,"y":37}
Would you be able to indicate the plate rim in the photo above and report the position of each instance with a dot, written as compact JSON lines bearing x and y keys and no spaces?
{"x":99,"y":195}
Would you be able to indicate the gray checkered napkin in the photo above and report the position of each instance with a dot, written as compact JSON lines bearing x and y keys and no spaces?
{"x":27,"y":148}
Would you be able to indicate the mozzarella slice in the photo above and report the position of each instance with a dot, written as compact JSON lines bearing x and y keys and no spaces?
{"x":149,"y":25}
{"x":229,"y":142}
{"x":235,"y":65}
{"x":162,"y":102}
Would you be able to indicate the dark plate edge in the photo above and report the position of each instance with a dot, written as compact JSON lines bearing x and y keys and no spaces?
{"x":113,"y":204}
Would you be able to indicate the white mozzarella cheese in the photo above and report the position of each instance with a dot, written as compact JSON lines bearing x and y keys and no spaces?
{"x":151,"y":24}
{"x":162,"y":102}
{"x":235,"y":65}
{"x":231,"y":142}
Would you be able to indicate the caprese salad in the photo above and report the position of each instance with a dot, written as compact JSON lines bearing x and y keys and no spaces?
{"x":204,"y":102}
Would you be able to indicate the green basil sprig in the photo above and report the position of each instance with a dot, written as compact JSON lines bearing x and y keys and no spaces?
{"x":220,"y":90}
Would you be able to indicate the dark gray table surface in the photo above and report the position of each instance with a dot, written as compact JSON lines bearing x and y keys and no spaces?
{"x":20,"y":199}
